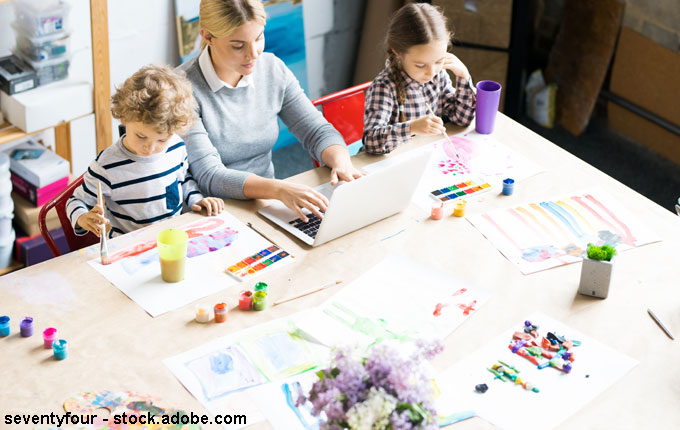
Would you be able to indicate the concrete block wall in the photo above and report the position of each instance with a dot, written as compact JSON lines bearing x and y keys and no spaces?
{"x":659,"y":20}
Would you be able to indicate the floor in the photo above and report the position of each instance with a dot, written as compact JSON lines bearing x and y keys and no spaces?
{"x":646,"y":172}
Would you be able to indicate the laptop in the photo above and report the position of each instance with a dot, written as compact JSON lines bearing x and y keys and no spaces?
{"x":356,"y":204}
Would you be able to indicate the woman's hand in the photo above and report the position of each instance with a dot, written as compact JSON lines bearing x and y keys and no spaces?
{"x":93,"y":221}
{"x":297,"y":196}
{"x":213,"y":205}
{"x":452,"y":63}
{"x":427,"y":125}
{"x":337,"y":158}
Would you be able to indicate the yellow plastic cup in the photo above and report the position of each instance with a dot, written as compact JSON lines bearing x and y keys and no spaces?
{"x":172,"y":248}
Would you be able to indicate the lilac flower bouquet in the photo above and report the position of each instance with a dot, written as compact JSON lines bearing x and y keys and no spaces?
{"x":384,"y":390}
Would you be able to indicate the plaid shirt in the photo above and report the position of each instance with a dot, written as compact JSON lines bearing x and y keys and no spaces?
{"x":382,"y":129}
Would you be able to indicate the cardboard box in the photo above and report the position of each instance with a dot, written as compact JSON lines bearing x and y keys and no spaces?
{"x":482,"y":22}
{"x":36,"y":164}
{"x":485,"y":65}
{"x":646,"y":74}
{"x":31,"y":250}
{"x":35,"y":195}
{"x":26,"y":216}
{"x":48,"y":105}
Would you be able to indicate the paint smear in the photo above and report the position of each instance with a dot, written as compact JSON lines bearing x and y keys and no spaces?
{"x":45,"y":289}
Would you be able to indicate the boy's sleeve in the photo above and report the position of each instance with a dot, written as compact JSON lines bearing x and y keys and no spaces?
{"x":190,"y":190}
{"x":382,"y":132}
{"x":85,"y":196}
{"x":458,"y":106}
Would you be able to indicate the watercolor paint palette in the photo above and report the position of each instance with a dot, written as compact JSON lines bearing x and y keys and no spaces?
{"x":253,"y":264}
{"x":466,"y":189}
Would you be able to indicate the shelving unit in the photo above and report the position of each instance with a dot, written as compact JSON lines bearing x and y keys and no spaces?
{"x":102,"y":89}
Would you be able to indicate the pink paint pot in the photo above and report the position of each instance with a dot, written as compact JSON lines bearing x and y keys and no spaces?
{"x":49,"y":336}
{"x":245,"y":300}
{"x":437,"y":212}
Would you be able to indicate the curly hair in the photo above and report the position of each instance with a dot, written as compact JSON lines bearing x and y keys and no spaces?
{"x":156,"y":96}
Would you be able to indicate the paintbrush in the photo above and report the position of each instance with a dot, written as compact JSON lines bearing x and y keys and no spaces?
{"x":446,"y":136}
{"x":103,"y":248}
{"x":307,"y":292}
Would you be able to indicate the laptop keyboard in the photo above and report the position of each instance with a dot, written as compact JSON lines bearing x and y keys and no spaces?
{"x":310,"y":228}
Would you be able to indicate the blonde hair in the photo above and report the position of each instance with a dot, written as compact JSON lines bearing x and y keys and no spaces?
{"x":222,"y":17}
{"x":156,"y":96}
{"x":414,"y":24}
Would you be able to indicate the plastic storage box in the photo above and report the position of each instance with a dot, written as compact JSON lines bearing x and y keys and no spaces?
{"x":41,"y":48}
{"x":48,"y":71}
{"x":39,"y":18}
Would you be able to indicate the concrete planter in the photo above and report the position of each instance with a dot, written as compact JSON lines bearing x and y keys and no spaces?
{"x":596,"y":277}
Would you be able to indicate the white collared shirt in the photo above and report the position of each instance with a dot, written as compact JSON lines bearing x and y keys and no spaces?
{"x":214,"y":81}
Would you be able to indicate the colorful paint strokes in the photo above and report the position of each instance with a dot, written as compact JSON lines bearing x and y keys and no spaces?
{"x":467,"y":189}
{"x":253,"y":264}
{"x":541,"y":235}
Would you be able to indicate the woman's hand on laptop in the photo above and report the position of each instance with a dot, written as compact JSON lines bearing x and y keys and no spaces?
{"x":345,"y":173}
{"x":297,"y":197}
{"x":337,"y":158}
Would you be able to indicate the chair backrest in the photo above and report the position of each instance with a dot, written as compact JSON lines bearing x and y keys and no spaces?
{"x":345,"y":111}
{"x":59,"y":204}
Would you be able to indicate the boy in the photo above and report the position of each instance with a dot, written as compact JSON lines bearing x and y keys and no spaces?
{"x":145,"y":175}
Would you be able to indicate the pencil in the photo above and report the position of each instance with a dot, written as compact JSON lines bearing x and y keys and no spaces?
{"x":103,"y":248}
{"x":307,"y":292}
{"x":662,"y":325}
{"x":446,"y":136}
{"x":258,"y":231}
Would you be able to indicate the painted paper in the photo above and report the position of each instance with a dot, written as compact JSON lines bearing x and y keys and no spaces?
{"x":560,"y":394}
{"x":555,"y":232}
{"x":215,"y":243}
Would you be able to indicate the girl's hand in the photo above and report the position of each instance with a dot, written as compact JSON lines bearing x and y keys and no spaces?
{"x":93,"y":221}
{"x":213,"y":205}
{"x":297,"y":196}
{"x":345,"y":171}
{"x":427,"y":125}
{"x":451,"y":62}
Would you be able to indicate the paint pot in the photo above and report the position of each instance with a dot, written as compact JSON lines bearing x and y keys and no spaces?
{"x":220,"y":312}
{"x":245,"y":300}
{"x":49,"y":336}
{"x":26,"y":327}
{"x":260,"y":300}
{"x":60,"y":349}
{"x":261,"y":286}
{"x":437,"y":211}
{"x":508,"y":186}
{"x":4,"y":326}
{"x":459,"y":210}
{"x":202,"y":313}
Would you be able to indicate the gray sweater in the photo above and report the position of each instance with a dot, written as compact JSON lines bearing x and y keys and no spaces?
{"x":237,"y":127}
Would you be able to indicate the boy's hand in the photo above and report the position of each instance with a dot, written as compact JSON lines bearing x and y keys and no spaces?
{"x":428,"y":125}
{"x":451,"y":62}
{"x":93,"y":221}
{"x":213,"y":205}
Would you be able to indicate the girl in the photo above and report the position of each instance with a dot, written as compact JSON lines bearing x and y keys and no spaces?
{"x":241,"y":91}
{"x":399,"y":99}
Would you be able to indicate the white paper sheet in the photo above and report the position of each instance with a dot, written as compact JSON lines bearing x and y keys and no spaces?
{"x":139,"y":275}
{"x":560,"y":395}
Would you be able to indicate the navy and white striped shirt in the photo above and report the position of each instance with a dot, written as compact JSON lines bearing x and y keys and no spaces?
{"x":137,"y":190}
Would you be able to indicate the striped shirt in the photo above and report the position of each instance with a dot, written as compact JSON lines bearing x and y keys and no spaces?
{"x":382,"y":130}
{"x":137,"y":190}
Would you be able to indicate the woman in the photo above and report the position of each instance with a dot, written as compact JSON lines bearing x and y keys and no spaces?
{"x":240,"y":92}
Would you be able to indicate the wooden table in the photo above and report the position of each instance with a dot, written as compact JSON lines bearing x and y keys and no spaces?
{"x":116,"y":345}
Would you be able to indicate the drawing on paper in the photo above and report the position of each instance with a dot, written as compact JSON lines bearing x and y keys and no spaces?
{"x":224,"y":371}
{"x":541,"y":235}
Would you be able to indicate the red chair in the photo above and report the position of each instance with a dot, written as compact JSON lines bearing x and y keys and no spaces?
{"x":345,"y":111}
{"x":59,"y":204}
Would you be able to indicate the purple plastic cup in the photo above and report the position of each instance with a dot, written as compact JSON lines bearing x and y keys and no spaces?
{"x":488,"y":96}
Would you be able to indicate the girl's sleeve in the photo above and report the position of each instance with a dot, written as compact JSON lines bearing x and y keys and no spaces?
{"x":85,"y":196}
{"x":458,"y":106}
{"x":381,"y":131}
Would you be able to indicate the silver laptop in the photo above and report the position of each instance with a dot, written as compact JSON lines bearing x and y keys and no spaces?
{"x":356,"y":204}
